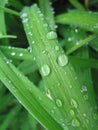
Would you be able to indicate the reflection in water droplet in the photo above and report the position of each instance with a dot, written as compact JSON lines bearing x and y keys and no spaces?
{"x":62,"y":60}
{"x":45,"y":70}
{"x":58,"y":102}
{"x":51,"y":35}
{"x":74,"y":103}
{"x":75,"y":123}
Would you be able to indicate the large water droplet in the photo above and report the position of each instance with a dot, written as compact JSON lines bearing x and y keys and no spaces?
{"x":45,"y":70}
{"x":58,"y":102}
{"x":75,"y":123}
{"x":62,"y":60}
{"x":74,"y":103}
{"x":51,"y":35}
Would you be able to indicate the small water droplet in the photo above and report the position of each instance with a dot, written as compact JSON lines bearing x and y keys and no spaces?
{"x":25,"y":20}
{"x":30,"y":33}
{"x":21,"y":54}
{"x":72,"y":113}
{"x":45,"y":70}
{"x":84,"y":114}
{"x":62,"y":60}
{"x":33,"y":42}
{"x":51,"y":35}
{"x":74,"y":103}
{"x":75,"y":123}
{"x":13,"y":53}
{"x":76,"y":30}
{"x":58,"y":102}
{"x":7,"y":62}
{"x":49,"y":94}
{"x":52,"y":112}
{"x":57,"y":48}
{"x":70,"y":39}
{"x":85,"y":97}
{"x":23,"y":15}
{"x":84,"y":89}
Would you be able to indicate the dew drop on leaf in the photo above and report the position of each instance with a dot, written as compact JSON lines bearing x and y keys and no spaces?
{"x":75,"y":123}
{"x":58,"y":102}
{"x":45,"y":70}
{"x":74,"y":103}
{"x":62,"y":60}
{"x":57,"y":48}
{"x":13,"y":53}
{"x":21,"y":54}
{"x":72,"y":113}
{"x":51,"y":35}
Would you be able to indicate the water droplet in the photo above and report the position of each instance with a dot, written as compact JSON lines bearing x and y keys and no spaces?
{"x":33,"y":42}
{"x":72,"y":113}
{"x":76,"y":30}
{"x":57,"y":48}
{"x":85,"y":97}
{"x":62,"y":60}
{"x":84,"y":89}
{"x":25,"y":20}
{"x":52,"y":112}
{"x":21,"y":54}
{"x":51,"y":35}
{"x":13,"y":53}
{"x":45,"y":70}
{"x":84,"y":114}
{"x":58,"y":102}
{"x":75,"y":123}
{"x":48,"y":94}
{"x":7,"y":62}
{"x":23,"y":15}
{"x":70,"y":39}
{"x":74,"y":103}
{"x":29,"y":33}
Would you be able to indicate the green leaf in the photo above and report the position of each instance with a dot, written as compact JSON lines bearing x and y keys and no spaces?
{"x":28,"y":95}
{"x":58,"y":75}
{"x":82,"y":19}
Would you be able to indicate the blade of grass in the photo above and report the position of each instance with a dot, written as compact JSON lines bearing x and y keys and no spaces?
{"x":17,"y":53}
{"x":9,"y":118}
{"x":82,"y":19}
{"x":7,"y":36}
{"x":9,"y":11}
{"x":87,"y":63}
{"x":2,"y":22}
{"x":28,"y":95}
{"x":57,"y":73}
{"x":77,"y":5}
{"x":47,"y":10}
{"x":80,"y":44}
